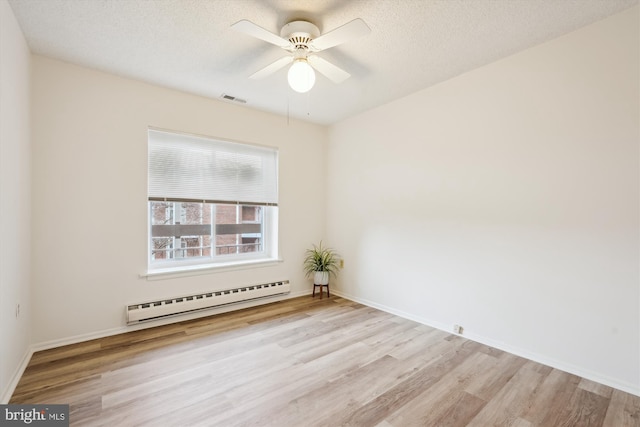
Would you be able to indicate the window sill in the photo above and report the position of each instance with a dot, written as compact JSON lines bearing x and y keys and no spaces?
{"x":194,"y":270}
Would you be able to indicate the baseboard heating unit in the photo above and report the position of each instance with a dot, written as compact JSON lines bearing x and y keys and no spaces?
{"x":151,"y":310}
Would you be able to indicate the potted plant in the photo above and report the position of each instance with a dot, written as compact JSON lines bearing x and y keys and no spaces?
{"x":320,"y":262}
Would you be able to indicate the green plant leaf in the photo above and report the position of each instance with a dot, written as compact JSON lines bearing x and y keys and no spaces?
{"x":320,"y":258}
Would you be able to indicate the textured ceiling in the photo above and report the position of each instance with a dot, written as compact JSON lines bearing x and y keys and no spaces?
{"x":188,"y":44}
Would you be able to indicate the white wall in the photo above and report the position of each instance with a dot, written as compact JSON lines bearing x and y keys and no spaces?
{"x":506,"y":200}
{"x":15,"y":200}
{"x":90,"y":186}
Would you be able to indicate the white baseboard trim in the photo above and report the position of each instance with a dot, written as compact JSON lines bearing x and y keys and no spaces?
{"x":11,"y":387}
{"x":539,"y":358}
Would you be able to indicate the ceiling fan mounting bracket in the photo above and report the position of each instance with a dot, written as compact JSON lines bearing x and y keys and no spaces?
{"x":300,"y":33}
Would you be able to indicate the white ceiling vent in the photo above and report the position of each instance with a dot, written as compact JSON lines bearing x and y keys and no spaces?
{"x":233,"y":98}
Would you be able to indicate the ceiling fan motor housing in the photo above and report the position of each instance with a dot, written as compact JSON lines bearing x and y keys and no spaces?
{"x":300,"y":33}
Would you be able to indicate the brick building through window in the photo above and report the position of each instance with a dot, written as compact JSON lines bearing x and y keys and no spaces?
{"x":185,"y":229}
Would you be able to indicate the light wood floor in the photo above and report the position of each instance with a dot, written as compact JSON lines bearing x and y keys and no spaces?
{"x":306,"y":362}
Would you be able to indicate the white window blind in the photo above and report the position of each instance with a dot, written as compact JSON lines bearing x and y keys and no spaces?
{"x":191,"y":168}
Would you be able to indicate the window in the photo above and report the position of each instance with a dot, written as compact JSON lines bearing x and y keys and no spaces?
{"x":210,"y":202}
{"x":180,"y":230}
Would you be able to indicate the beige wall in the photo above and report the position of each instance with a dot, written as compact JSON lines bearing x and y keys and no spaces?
{"x":90,"y":187}
{"x":506,"y":200}
{"x":15,"y":200}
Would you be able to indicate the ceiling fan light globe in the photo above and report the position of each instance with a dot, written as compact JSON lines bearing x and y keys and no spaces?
{"x":301,"y":76}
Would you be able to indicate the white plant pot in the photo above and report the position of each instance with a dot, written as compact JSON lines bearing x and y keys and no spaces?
{"x":321,"y":278}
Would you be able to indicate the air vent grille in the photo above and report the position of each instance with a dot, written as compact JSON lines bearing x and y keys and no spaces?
{"x":233,"y":98}
{"x":300,"y":41}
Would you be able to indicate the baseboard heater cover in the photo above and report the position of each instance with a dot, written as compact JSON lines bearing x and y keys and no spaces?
{"x":152,"y":310}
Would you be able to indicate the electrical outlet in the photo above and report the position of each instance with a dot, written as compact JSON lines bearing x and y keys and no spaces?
{"x":17,"y":310}
{"x":458,"y":329}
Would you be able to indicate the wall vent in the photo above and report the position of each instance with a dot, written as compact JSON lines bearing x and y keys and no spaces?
{"x":233,"y":98}
{"x":152,"y":310}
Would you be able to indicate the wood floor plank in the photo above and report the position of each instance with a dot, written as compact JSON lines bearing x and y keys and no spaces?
{"x":441,"y":396}
{"x":510,"y":401}
{"x":377,"y":410}
{"x":543,"y":398}
{"x":596,"y":388}
{"x":269,"y":397}
{"x":51,"y":355}
{"x":357,"y":384}
{"x":562,"y":395}
{"x":306,"y":362}
{"x":623,"y":410}
{"x":501,"y":373}
{"x":585,"y":409}
{"x":461,"y":411}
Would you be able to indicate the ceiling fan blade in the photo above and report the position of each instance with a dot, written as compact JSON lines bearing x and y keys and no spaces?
{"x":349,"y":31}
{"x":326,"y":68}
{"x":253,"y":30}
{"x":272,"y":68}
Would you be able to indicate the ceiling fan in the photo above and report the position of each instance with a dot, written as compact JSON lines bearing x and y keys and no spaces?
{"x":302,"y":40}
